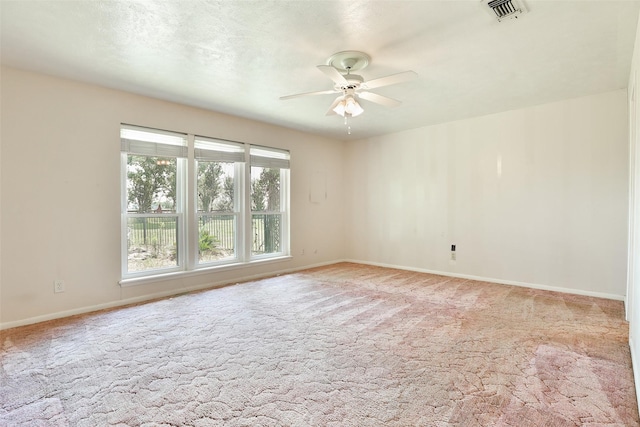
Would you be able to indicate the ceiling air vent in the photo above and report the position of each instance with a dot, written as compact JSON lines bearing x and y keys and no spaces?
{"x":506,"y":9}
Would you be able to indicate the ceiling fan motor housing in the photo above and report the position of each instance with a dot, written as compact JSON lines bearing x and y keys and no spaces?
{"x":353,"y":82}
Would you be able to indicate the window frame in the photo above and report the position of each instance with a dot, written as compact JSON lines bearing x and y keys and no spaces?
{"x":188,"y":215}
{"x":226,"y":152}
{"x":145,"y":142}
{"x":284,"y":219}
{"x":272,"y":158}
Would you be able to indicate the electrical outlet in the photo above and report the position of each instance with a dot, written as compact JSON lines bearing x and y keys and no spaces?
{"x":453,"y":256}
{"x":58,"y":286}
{"x":302,"y":252}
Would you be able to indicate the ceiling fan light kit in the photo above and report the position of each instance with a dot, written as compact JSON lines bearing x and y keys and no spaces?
{"x":352,"y":87}
{"x":348,"y":107}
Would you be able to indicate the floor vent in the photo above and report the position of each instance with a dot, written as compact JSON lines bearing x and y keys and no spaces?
{"x":506,"y":9}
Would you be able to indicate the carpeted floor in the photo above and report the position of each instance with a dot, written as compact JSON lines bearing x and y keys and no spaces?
{"x":344,"y":345}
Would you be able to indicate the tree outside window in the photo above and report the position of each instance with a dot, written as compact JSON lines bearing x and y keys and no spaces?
{"x":265,"y":207}
{"x":216,"y":211}
{"x":151,"y":192}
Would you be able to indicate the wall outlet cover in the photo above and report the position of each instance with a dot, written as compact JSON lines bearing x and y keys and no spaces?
{"x":58,"y":286}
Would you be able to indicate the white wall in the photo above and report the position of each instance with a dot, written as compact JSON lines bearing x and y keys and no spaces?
{"x":535,"y":196}
{"x":60,"y":187}
{"x":633,"y":280}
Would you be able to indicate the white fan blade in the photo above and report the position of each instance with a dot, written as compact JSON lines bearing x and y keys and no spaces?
{"x":321,"y":92}
{"x":330,"y":111}
{"x":393,"y":79}
{"x":333,"y":74}
{"x":379,"y":99}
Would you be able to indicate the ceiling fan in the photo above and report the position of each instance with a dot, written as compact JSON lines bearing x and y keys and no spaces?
{"x":353,"y":87}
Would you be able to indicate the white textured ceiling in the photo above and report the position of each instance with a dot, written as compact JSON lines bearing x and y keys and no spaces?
{"x":239,"y":57}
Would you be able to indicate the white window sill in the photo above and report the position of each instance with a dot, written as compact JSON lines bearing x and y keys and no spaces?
{"x":134,"y":281}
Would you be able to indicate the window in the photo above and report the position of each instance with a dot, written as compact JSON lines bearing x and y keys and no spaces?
{"x":269,"y":202}
{"x":219,"y":166}
{"x":190,"y":202}
{"x":153,"y":200}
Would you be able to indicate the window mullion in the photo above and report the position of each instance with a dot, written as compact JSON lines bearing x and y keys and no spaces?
{"x":191,"y":207}
{"x":284,"y":209}
{"x":124,"y":243}
{"x":182,"y":238}
{"x":245,"y":208}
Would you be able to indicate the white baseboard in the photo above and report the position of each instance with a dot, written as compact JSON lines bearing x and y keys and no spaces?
{"x":635,"y":367}
{"x":212,"y":285}
{"x":500,"y":281}
{"x":150,"y":297}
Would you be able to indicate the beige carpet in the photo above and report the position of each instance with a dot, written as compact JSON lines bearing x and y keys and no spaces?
{"x":344,"y":345}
